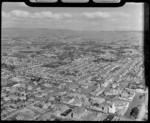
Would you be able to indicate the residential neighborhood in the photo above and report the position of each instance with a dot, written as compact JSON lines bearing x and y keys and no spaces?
{"x":77,"y":84}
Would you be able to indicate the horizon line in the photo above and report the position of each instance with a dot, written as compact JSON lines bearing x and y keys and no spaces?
{"x":73,"y":29}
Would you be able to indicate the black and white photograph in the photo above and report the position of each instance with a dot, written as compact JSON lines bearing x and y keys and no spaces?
{"x":73,"y":63}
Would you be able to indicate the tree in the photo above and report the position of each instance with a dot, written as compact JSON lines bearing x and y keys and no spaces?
{"x":5,"y":54}
{"x":134,"y":112}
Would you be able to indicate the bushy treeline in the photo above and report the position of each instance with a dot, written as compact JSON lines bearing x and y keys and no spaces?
{"x":9,"y":67}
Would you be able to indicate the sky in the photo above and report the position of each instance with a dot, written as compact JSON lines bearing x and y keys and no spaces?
{"x":126,"y":18}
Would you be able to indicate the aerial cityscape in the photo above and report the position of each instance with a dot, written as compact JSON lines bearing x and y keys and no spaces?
{"x":70,"y":75}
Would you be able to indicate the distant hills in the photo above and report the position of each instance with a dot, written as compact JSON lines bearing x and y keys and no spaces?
{"x":72,"y":36}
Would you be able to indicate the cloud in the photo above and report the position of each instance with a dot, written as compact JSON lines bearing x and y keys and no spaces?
{"x":36,"y":15}
{"x":5,"y":15}
{"x":48,"y":14}
{"x":105,"y":15}
{"x":93,"y":15}
{"x":19,"y":13}
{"x":64,"y":15}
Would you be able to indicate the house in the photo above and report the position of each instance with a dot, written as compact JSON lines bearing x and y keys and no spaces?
{"x":17,"y":79}
{"x":112,"y":92}
{"x":98,"y":91}
{"x":114,"y":85}
{"x":127,"y":94}
{"x":112,"y":108}
{"x":45,"y":106}
{"x":104,"y":107}
{"x":6,"y":98}
{"x":78,"y":113}
{"x":73,"y":88}
{"x":70,"y":101}
{"x":30,"y":88}
{"x":76,"y":102}
{"x":67,"y":99}
{"x":51,"y":98}
{"x":119,"y":107}
{"x":98,"y":99}
{"x":140,"y":90}
{"x":61,"y":109}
